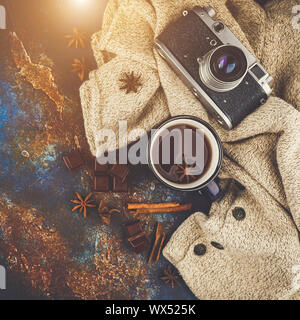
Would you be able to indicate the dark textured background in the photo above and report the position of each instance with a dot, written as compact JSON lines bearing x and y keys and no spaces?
{"x":48,"y":251}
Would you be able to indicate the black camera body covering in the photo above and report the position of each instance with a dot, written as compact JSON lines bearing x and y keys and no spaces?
{"x":215,"y":65}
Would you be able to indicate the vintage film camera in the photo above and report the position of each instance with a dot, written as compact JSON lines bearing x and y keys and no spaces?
{"x":214,"y":65}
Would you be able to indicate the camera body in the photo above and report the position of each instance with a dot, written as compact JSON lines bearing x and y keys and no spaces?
{"x":214,"y":65}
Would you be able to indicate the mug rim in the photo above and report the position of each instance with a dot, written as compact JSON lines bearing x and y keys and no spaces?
{"x":219,"y":143}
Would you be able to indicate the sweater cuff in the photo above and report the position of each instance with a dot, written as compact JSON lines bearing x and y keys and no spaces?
{"x":188,"y":232}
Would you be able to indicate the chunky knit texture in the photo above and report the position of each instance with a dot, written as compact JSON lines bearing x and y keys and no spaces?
{"x":261,"y":252}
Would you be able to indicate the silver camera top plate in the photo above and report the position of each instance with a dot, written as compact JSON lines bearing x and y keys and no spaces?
{"x":225,"y":35}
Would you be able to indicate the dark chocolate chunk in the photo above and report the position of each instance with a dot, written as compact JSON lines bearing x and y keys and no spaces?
{"x":100,"y":169}
{"x":133,"y":228}
{"x":87,"y":156}
{"x":120,"y":170}
{"x":142,"y":246}
{"x":136,"y":236}
{"x":73,"y":160}
{"x":101,"y":183}
{"x":119,"y":185}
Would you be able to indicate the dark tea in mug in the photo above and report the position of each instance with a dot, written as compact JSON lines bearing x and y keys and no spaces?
{"x":185,"y":153}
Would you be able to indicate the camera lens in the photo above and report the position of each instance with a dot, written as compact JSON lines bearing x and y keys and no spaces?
{"x":228,"y":63}
{"x":223,"y":69}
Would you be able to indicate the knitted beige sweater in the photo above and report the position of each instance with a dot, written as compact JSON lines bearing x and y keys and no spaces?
{"x":248,"y":248}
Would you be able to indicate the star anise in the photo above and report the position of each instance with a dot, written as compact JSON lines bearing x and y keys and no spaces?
{"x":105,"y":213}
{"x":79,"y":67}
{"x":82,"y":204}
{"x":77,"y":39}
{"x":131,"y":82}
{"x":184,"y":172}
{"x":171,"y":277}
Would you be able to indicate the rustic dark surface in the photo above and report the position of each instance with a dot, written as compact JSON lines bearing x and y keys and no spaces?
{"x":48,"y":251}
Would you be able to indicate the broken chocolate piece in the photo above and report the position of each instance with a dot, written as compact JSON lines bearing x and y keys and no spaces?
{"x":137,"y":237}
{"x":135,"y":240}
{"x":87,"y":157}
{"x":73,"y":160}
{"x":142,"y":246}
{"x":101,"y":183}
{"x":100,"y":169}
{"x":133,"y":228}
{"x":119,"y":185}
{"x":120,"y":170}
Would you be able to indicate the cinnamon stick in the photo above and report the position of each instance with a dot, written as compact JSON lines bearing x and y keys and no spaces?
{"x":179,"y":208}
{"x":160,"y":246}
{"x":132,"y":206}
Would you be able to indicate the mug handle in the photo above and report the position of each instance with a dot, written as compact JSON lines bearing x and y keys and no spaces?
{"x":212,"y":191}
